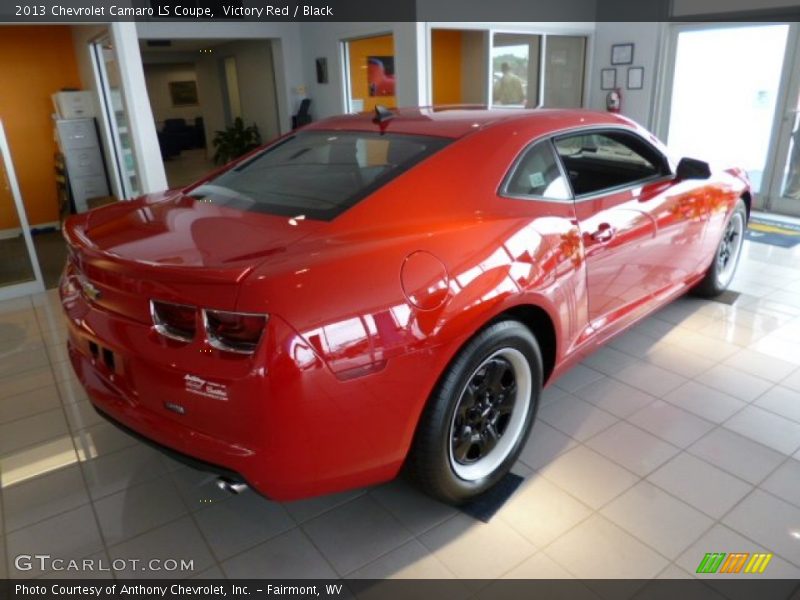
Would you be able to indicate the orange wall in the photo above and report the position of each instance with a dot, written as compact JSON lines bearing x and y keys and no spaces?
{"x":35,"y":62}
{"x":446,"y":66}
{"x":359,"y":50}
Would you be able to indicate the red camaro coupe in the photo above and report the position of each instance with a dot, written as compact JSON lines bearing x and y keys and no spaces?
{"x":375,"y":293}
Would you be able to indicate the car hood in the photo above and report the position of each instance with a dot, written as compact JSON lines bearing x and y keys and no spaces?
{"x":185,"y":233}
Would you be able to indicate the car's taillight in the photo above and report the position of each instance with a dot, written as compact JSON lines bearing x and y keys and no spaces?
{"x":176,"y":321}
{"x":234,"y":332}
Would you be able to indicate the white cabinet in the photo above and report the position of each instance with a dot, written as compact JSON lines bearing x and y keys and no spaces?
{"x":73,"y":105}
{"x":85,"y":168}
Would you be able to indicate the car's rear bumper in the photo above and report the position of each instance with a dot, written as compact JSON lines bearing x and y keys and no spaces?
{"x":115,"y":400}
{"x":189,"y":461}
{"x":287,"y":426}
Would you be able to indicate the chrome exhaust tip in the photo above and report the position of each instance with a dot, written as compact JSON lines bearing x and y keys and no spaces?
{"x":231,"y":486}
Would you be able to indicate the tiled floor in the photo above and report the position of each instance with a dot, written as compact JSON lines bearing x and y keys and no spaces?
{"x":680,"y":438}
{"x":187,"y":167}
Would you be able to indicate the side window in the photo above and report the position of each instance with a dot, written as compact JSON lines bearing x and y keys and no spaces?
{"x":602,"y":161}
{"x":537,"y":174}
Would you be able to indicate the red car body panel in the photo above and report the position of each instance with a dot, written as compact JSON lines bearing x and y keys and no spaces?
{"x":367,"y":310}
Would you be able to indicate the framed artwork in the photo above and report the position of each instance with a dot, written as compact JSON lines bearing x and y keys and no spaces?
{"x":380,"y":75}
{"x":635,"y":78}
{"x":183,"y":93}
{"x":622,"y":54}
{"x":322,"y":70}
{"x":608,"y":79}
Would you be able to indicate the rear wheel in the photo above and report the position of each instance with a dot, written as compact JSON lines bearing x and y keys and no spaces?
{"x":723,"y":268}
{"x":480,"y":415}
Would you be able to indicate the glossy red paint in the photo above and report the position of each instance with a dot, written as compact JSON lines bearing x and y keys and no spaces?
{"x":366,"y":311}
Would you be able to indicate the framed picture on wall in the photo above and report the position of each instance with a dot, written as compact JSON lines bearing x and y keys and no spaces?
{"x":183,"y":93}
{"x":608,"y":79}
{"x":635,"y":78}
{"x":380,"y":75}
{"x":622,"y":54}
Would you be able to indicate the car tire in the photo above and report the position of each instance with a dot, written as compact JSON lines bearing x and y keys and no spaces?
{"x":480,"y":414}
{"x":726,"y":257}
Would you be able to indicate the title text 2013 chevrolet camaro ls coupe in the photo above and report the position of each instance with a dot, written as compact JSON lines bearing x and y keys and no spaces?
{"x":368,"y":294}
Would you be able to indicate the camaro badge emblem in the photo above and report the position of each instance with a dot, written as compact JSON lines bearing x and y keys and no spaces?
{"x":90,"y":290}
{"x":201,"y":387}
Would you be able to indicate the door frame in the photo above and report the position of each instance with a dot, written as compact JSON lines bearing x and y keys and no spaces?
{"x":780,"y":141}
{"x":344,"y":67}
{"x":120,"y":185}
{"x":35,"y":286}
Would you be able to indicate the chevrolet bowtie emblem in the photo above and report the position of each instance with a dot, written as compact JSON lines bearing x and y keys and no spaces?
{"x":90,"y":290}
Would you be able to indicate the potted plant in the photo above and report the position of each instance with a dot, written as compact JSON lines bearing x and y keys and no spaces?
{"x":235,"y":141}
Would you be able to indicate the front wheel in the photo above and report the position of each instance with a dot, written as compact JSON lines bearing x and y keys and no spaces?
{"x":480,"y":414}
{"x":723,"y":268}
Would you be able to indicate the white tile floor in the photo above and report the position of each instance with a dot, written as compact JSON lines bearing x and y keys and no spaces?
{"x":680,"y":438}
{"x":189,"y":166}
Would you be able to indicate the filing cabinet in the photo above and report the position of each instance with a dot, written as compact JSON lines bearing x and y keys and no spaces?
{"x":80,"y":146}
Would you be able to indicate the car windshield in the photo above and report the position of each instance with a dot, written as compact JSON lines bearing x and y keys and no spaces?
{"x":317,"y":174}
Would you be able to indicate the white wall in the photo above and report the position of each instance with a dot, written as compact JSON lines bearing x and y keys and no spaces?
{"x":324,"y":40}
{"x":157,"y":78}
{"x":287,"y":52}
{"x":256,"y":74}
{"x":646,"y":37}
{"x":210,"y":90}
{"x":257,"y":91}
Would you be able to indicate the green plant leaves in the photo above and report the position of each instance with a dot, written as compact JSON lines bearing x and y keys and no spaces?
{"x":235,"y":141}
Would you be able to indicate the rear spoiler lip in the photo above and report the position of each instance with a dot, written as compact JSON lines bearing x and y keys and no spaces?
{"x":80,"y":244}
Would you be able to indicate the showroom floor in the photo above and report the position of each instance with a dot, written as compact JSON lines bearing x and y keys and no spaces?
{"x":680,"y":438}
{"x":188,"y":167}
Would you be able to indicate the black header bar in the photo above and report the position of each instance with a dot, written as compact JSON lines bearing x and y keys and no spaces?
{"x":714,"y":587}
{"x":83,"y":11}
{"x":484,"y":11}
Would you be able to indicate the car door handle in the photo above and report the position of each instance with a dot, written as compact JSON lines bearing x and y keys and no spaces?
{"x":604,"y":233}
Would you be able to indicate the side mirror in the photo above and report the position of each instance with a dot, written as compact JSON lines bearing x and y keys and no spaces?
{"x":691,"y":168}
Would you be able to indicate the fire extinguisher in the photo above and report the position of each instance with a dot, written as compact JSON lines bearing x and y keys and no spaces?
{"x":614,"y":100}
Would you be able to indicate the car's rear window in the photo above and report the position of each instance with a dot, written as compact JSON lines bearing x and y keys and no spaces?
{"x":317,"y":174}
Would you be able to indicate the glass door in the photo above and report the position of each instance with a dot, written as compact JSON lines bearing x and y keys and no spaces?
{"x":781,"y":190}
{"x":789,"y":177}
{"x":116,"y":117}
{"x":726,"y":86}
{"x":19,"y":267}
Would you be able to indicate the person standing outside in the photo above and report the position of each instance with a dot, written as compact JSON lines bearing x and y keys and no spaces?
{"x":508,"y":89}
